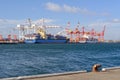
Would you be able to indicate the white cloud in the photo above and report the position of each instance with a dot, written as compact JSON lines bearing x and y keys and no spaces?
{"x":9,"y":22}
{"x":45,"y":20}
{"x":104,"y":14}
{"x":72,"y":9}
{"x":115,"y":20}
{"x":8,"y":26}
{"x":99,"y":24}
{"x":53,"y":6}
{"x":112,"y":28}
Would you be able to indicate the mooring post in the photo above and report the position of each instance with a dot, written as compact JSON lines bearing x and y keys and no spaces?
{"x":96,"y":67}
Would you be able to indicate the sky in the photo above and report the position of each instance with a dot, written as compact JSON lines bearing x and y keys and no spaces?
{"x":90,"y":13}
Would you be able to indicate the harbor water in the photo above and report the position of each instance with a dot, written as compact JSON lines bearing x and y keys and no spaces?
{"x":33,"y":59}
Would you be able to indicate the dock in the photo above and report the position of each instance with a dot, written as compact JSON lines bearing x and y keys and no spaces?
{"x":105,"y":74}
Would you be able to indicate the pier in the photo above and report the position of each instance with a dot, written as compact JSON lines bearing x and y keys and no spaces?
{"x":105,"y":74}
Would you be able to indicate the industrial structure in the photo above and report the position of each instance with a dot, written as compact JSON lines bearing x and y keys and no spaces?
{"x":82,"y":36}
{"x":10,"y":39}
{"x":33,"y":33}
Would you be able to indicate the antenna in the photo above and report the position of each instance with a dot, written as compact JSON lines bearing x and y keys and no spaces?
{"x":29,"y":21}
{"x":78,"y":24}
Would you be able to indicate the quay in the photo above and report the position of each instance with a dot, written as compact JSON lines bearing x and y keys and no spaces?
{"x":105,"y":74}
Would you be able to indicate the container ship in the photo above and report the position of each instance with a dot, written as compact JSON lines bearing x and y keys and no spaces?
{"x":43,"y":38}
{"x":38,"y":34}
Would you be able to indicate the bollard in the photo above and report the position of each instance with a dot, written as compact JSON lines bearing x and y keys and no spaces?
{"x":95,"y":68}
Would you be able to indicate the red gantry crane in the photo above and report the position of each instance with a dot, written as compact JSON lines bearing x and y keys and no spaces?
{"x":102,"y":34}
{"x":84,"y":35}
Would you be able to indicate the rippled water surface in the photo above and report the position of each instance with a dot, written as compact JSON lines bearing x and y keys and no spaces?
{"x":32,"y":59}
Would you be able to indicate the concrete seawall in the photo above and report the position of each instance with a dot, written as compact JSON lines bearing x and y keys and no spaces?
{"x":112,"y":73}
